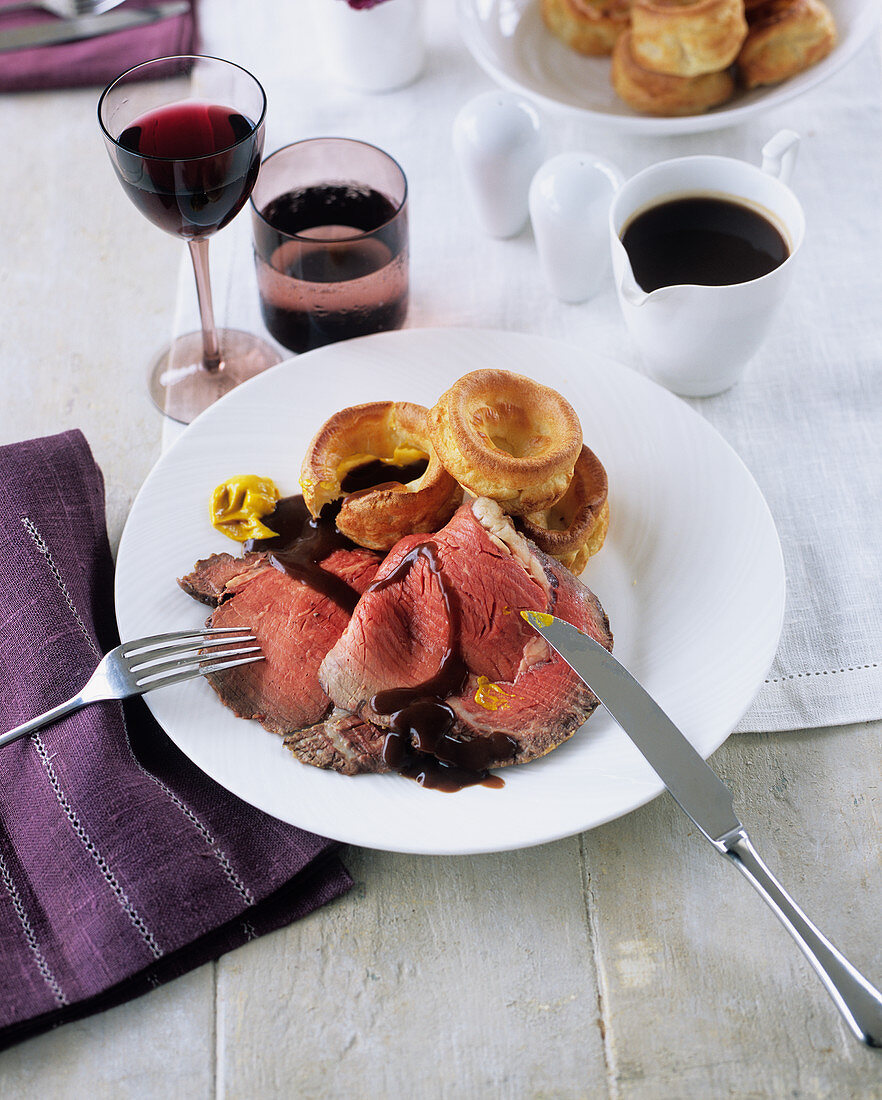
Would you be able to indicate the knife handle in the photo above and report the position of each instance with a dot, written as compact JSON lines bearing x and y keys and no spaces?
{"x":858,"y":1001}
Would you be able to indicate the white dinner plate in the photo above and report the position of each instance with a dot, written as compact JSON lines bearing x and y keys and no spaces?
{"x":691,"y":576}
{"x":509,"y":41}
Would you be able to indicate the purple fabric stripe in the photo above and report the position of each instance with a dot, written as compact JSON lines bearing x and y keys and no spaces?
{"x":317,"y":887}
{"x":92,"y":61}
{"x":121,"y":865}
{"x":39,"y":986}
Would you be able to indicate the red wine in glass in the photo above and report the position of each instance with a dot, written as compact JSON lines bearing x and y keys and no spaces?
{"x":192,"y":165}
{"x":189,"y":163}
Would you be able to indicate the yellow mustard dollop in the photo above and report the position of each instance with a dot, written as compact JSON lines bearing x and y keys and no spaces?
{"x":239,"y":503}
{"x":537,"y":618}
{"x":490,"y":696}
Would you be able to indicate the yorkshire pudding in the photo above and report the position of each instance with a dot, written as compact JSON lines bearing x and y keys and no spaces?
{"x":784,"y":38}
{"x":586,"y":26}
{"x":573,"y":530}
{"x":687,"y":37}
{"x":382,"y":433}
{"x":660,"y":94}
{"x":504,"y":436}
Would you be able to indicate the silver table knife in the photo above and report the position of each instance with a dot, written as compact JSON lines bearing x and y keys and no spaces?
{"x":704,"y":797}
{"x":88,"y":26}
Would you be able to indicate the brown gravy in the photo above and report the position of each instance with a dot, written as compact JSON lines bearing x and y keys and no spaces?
{"x":380,"y":475}
{"x":300,"y":546}
{"x":303,"y":542}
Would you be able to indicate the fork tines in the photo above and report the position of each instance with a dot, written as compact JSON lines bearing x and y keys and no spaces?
{"x":166,"y":658}
{"x":161,"y":642}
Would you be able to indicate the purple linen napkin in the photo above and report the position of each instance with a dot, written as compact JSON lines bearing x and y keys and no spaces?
{"x":121,"y":864}
{"x":91,"y":61}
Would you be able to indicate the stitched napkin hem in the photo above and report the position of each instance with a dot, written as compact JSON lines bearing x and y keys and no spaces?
{"x":323,"y":882}
{"x":849,"y":695}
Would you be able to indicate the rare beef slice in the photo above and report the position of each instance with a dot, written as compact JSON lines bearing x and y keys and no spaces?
{"x":466,"y":592}
{"x":294,"y":624}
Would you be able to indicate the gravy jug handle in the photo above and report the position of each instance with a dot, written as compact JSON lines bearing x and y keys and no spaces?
{"x":779,"y":155}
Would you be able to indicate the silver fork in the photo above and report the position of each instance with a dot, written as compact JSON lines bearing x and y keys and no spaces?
{"x":65,"y":9}
{"x":134,"y":668}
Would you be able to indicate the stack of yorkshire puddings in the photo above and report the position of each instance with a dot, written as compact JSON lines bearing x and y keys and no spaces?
{"x":493,"y":434}
{"x":682,"y":57}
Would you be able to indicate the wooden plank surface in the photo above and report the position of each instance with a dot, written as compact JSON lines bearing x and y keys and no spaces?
{"x":629,"y":962}
{"x":434,"y":976}
{"x":86,"y":290}
{"x":706,"y":994}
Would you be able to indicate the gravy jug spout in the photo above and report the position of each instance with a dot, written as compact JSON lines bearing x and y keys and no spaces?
{"x":629,"y":288}
{"x":631,"y":291}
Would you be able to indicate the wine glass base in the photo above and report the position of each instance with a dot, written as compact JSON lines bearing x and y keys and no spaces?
{"x":180,"y":385}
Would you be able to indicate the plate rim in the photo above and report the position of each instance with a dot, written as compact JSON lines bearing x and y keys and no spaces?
{"x":652,"y":788}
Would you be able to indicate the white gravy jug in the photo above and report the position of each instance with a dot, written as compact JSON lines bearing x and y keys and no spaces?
{"x":696,"y":340}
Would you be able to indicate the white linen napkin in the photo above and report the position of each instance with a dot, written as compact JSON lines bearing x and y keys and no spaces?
{"x":806,"y":418}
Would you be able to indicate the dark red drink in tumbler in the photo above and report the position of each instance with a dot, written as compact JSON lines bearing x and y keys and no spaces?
{"x":347,"y":276}
{"x":329,"y":217}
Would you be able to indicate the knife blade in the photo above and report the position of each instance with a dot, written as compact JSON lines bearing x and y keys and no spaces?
{"x":87,"y":26}
{"x":703,"y":796}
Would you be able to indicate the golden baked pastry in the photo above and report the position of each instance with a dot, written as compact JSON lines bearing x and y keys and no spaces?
{"x":662,"y":94}
{"x":784,"y":37}
{"x":574,"y":528}
{"x":506,"y":437}
{"x":687,"y":37}
{"x":587,"y":26}
{"x":393,"y":433}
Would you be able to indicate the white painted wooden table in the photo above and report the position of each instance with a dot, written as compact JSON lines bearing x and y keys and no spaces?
{"x":627,"y":962}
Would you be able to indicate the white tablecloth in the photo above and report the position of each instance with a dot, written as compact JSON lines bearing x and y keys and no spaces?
{"x":807,"y":417}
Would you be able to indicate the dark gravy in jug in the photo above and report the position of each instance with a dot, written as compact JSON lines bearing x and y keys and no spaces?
{"x":702,"y":239}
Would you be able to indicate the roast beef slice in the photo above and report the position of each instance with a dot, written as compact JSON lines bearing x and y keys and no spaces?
{"x":294,"y":625}
{"x":399,"y":633}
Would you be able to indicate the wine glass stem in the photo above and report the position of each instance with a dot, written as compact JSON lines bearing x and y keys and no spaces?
{"x":211,"y":354}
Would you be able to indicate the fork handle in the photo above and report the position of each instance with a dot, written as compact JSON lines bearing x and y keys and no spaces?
{"x":41,"y":720}
{"x":858,"y":1001}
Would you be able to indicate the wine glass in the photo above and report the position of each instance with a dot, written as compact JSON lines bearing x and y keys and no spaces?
{"x":189,"y":163}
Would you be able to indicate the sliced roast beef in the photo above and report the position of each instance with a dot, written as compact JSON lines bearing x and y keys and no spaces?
{"x":341,"y":741}
{"x":210,"y":577}
{"x":441,"y":614}
{"x":294,"y":623}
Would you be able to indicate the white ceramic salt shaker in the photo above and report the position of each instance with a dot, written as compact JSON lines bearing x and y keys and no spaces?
{"x":499,"y":143}
{"x":569,"y":202}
